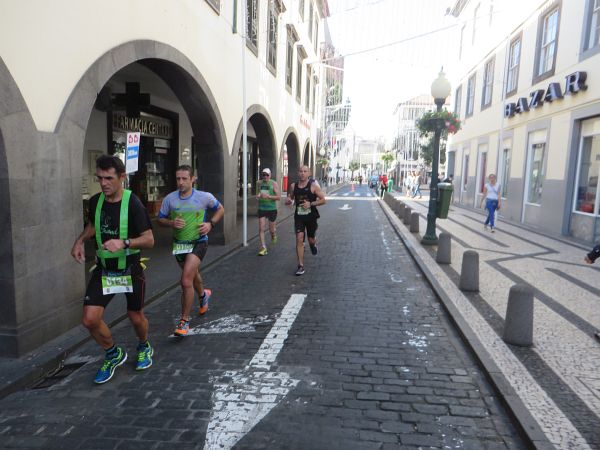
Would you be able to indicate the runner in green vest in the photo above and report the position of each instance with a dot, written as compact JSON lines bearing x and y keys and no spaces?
{"x":268,"y":195}
{"x":121,"y":227}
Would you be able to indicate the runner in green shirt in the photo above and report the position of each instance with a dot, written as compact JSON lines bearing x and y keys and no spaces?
{"x":268,"y":196}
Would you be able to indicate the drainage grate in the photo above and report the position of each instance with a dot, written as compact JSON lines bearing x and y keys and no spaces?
{"x":57,"y":376}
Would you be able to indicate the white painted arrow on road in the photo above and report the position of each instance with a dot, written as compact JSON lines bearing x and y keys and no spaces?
{"x":229,"y":324}
{"x":242,"y":398}
{"x":345,"y":207}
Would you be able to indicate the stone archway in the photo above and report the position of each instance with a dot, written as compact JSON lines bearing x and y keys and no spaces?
{"x":44,"y":185}
{"x":262,"y":152}
{"x":307,"y":161}
{"x":291,"y":147}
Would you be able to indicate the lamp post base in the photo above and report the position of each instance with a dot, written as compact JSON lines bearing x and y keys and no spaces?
{"x":429,"y":240}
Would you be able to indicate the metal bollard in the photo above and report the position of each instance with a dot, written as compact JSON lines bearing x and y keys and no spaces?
{"x":518,"y":325}
{"x":407,"y":212}
{"x":444,"y":255}
{"x":414,"y":222}
{"x":469,"y":274}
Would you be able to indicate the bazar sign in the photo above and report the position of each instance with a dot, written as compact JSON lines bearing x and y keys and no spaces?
{"x":574,"y":83}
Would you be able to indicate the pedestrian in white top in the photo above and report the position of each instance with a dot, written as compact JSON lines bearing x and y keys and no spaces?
{"x":492,"y":196}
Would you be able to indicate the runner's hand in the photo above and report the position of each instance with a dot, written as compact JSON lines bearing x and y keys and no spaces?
{"x":179,"y":223}
{"x":78,"y":252}
{"x":288,"y":201}
{"x":306,"y":204}
{"x":113,"y":245}
{"x":204,"y":228}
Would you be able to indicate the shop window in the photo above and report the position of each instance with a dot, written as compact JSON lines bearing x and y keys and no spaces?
{"x":488,"y":83}
{"x":252,"y":25}
{"x":482,"y":171}
{"x":465,"y":174}
{"x":470,"y":96}
{"x":458,"y":100}
{"x":505,"y":172}
{"x":514,"y":59}
{"x":545,"y":59}
{"x":536,"y":172}
{"x":586,"y":194}
{"x":273,"y":26}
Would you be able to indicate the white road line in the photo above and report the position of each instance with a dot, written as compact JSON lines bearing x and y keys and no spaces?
{"x":242,"y":398}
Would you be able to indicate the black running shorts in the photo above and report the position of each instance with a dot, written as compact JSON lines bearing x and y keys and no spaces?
{"x":309,"y":225}
{"x":199,"y":250}
{"x":271,"y":215}
{"x":135,"y":299}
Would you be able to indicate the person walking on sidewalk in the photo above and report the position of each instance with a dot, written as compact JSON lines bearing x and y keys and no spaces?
{"x":492,"y":195}
{"x":307,"y":195}
{"x":590,"y":258}
{"x":121,"y":227}
{"x":268,"y":196}
{"x":383,"y":184}
{"x":184,"y":210}
{"x":417,"y":188}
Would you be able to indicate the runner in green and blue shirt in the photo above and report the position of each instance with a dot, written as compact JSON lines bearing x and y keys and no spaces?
{"x":185,"y":210}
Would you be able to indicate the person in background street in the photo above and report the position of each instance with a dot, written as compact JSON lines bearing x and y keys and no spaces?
{"x":417,"y":185}
{"x":268,"y":196}
{"x":184,"y":210}
{"x":492,"y":195}
{"x":307,"y":195}
{"x":450,"y":180}
{"x":383,"y":184}
{"x":360,"y":178}
{"x":121,"y":227}
{"x":590,"y":258}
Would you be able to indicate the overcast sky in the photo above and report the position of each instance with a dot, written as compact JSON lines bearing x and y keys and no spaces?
{"x":410,"y":51}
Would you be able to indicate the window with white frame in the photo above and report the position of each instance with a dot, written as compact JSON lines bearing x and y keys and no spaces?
{"x":475,"y":17}
{"x":252,"y":24}
{"x":310,"y":19}
{"x":547,"y":43}
{"x":289,"y":61}
{"x":273,"y":27}
{"x":488,"y":83}
{"x":465,"y":173}
{"x":514,"y":59}
{"x":462,"y":40}
{"x":505,"y":171}
{"x":301,"y":8}
{"x":536,"y":173}
{"x":298,"y":76}
{"x":316,"y":30}
{"x":593,"y":25}
{"x":588,"y":171}
{"x":458,"y":100}
{"x":470,"y":96}
{"x":307,"y":86}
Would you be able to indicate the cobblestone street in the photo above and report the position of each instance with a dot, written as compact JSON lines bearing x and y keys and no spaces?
{"x":358,"y":353}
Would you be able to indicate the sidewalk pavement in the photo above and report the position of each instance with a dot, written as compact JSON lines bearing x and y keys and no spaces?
{"x":162,"y":276}
{"x":554,"y":386}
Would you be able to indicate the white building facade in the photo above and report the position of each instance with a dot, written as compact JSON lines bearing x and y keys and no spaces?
{"x":74,"y":88}
{"x":526,"y":89}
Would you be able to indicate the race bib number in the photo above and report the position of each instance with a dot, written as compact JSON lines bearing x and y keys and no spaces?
{"x":302,"y":211}
{"x":182,"y":248}
{"x":116,"y":284}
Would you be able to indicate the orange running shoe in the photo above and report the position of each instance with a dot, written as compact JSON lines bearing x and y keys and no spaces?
{"x":183,"y":328}
{"x":204,"y":301}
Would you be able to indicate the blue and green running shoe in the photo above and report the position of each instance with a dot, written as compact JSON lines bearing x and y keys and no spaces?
{"x":109,"y":365}
{"x":144,"y":356}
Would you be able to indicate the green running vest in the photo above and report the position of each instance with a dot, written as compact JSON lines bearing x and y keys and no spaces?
{"x":265,"y":204}
{"x":122,"y":254}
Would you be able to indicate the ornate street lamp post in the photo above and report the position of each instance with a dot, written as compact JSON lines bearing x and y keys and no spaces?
{"x":440,"y":90}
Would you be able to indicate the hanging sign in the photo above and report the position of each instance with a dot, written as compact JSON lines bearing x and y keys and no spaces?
{"x":132,"y":153}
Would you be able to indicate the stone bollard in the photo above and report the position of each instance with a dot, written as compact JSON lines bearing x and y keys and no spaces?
{"x":444,"y":249}
{"x":407,"y":212}
{"x":400,"y":211}
{"x":518,"y":326}
{"x":414,"y":222}
{"x":469,"y":274}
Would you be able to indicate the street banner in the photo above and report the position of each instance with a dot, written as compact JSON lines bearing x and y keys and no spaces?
{"x":132,"y":152}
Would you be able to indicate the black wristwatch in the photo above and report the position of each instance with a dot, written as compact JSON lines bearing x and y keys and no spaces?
{"x":127,"y":243}
{"x":212,"y":225}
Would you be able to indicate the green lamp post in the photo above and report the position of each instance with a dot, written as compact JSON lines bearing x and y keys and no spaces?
{"x":440,"y":90}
